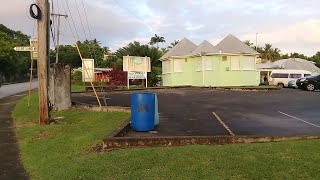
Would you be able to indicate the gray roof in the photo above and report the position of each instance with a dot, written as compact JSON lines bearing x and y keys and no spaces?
{"x":184,"y":47}
{"x":266,"y":65}
{"x":231,"y":44}
{"x":205,"y":47}
{"x":296,"y":63}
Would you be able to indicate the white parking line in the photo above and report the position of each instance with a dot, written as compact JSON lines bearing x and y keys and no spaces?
{"x":299,"y":119}
{"x":6,"y":104}
{"x":223,"y":124}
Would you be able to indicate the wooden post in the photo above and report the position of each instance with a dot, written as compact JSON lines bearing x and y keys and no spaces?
{"x":43,"y":57}
{"x":30,"y":83}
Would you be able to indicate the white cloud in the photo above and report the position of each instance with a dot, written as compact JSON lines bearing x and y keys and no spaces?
{"x":284,"y":23}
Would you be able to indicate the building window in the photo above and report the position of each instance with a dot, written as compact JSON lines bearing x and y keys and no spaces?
{"x":177,"y":65}
{"x":166,"y":67}
{"x":199,"y":64}
{"x":235,"y":63}
{"x":248,"y":63}
{"x":208,"y":64}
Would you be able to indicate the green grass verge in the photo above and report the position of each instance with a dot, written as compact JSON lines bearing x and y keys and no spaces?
{"x":77,"y":88}
{"x":60,"y":152}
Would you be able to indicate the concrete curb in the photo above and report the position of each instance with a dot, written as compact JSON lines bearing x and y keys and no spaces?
{"x":117,"y":140}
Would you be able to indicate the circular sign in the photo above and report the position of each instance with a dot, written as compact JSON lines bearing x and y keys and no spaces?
{"x":137,"y":61}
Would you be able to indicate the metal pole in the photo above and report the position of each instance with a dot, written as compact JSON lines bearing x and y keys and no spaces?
{"x":43,"y":56}
{"x":58,"y":33}
{"x":256,"y":41}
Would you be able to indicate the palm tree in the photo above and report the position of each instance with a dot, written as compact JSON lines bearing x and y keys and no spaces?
{"x":267,"y":52}
{"x":175,"y":42}
{"x":156,"y":39}
{"x":247,"y":42}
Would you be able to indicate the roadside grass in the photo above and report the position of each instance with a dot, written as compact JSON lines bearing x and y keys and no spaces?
{"x":77,"y":88}
{"x":60,"y":151}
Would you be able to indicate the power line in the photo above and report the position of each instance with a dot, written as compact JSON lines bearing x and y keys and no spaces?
{"x":71,"y":30}
{"x":72,"y":20}
{"x":90,"y":34}
{"x":84,"y":31}
{"x":133,"y":14}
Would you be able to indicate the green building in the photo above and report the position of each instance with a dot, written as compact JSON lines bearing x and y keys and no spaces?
{"x":229,"y":63}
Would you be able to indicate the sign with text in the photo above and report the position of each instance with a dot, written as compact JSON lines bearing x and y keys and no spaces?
{"x":136,"y":64}
{"x":137,"y":75}
{"x":25,"y":48}
{"x":88,"y":70}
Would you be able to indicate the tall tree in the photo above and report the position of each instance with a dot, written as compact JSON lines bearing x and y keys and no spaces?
{"x":156,"y":40}
{"x":175,"y":42}
{"x":13,"y":65}
{"x":248,"y":42}
{"x":137,"y":49}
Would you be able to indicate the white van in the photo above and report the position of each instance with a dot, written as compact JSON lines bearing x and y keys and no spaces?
{"x":281,"y":77}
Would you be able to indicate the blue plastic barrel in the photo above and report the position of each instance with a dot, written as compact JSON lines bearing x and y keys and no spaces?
{"x":142,"y":111}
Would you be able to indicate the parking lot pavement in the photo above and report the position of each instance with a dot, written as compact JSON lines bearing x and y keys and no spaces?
{"x":201,"y":112}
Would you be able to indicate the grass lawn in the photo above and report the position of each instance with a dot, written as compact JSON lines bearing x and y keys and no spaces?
{"x":77,"y":88}
{"x":60,"y":151}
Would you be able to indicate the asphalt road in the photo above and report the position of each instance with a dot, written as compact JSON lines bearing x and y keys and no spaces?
{"x":287,"y":112}
{"x":11,"y":89}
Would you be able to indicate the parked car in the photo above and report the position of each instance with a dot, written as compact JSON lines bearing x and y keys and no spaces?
{"x":310,"y":83}
{"x":281,"y":77}
{"x":292,"y":84}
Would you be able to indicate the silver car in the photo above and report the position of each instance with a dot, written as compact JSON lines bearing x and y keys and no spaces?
{"x":292,"y":84}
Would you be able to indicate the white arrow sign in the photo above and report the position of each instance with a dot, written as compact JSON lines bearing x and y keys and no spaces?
{"x":25,"y":48}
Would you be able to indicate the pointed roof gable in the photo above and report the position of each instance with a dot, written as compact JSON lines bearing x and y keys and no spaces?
{"x":205,"y":47}
{"x":184,"y":47}
{"x":231,"y":44}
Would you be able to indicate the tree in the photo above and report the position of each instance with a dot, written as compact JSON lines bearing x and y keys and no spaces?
{"x":247,"y":42}
{"x":13,"y":65}
{"x":68,"y":54}
{"x":136,"y":49}
{"x":175,"y":42}
{"x":156,"y":40}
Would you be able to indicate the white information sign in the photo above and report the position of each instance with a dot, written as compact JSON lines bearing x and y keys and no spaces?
{"x":137,"y":75}
{"x":88,"y":70}
{"x":25,"y":48}
{"x":136,"y":64}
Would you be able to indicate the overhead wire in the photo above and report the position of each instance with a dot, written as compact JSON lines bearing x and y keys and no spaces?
{"x":133,"y":14}
{"x":74,"y":25}
{"x":83,"y":28}
{"x":89,"y":30}
{"x":71,"y":30}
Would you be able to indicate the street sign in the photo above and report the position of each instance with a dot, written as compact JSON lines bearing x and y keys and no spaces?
{"x":34,"y":42}
{"x":25,"y":48}
{"x":137,"y":75}
{"x":34,"y":55}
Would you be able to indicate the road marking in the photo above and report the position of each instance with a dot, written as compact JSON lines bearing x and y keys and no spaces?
{"x":299,"y":119}
{"x":223,"y":124}
{"x":19,"y":95}
{"x":6,"y":103}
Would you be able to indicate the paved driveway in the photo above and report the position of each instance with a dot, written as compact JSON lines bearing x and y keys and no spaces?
{"x":222,"y":112}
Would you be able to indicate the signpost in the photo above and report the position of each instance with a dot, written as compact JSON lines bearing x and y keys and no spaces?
{"x":25,"y":48}
{"x":34,"y":56}
{"x":137,"y":68}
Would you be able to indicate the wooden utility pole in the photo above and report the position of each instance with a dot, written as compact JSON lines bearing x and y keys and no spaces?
{"x":58,"y":33}
{"x":43,"y":58}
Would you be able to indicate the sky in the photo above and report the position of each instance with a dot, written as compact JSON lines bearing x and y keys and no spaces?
{"x":291,"y":25}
